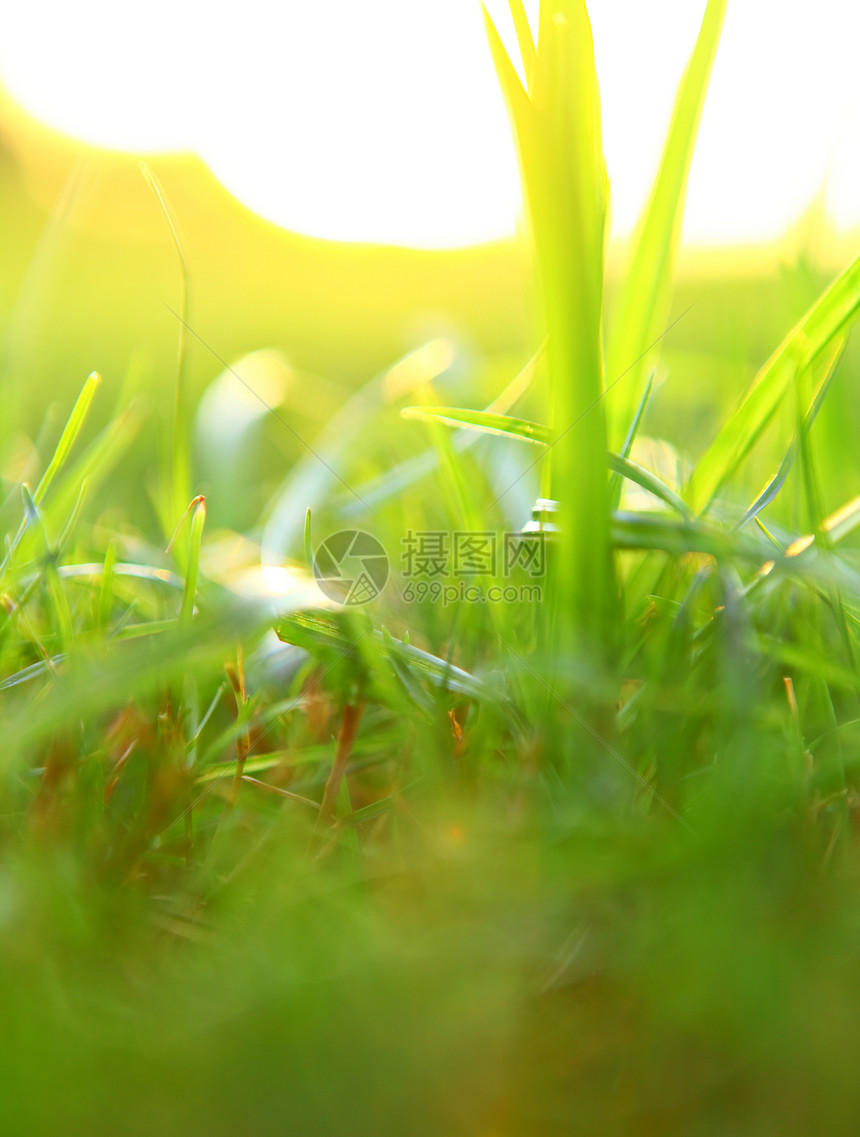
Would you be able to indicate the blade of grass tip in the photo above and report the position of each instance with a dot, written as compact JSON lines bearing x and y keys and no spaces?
{"x":525,"y":39}
{"x":178,"y":453}
{"x":186,"y":693}
{"x":198,"y":518}
{"x":642,"y":308}
{"x":843,"y":521}
{"x":236,"y":676}
{"x":97,"y":461}
{"x":92,"y":467}
{"x":67,"y":438}
{"x":829,"y":317}
{"x":615,"y":480}
{"x":105,"y":600}
{"x":768,"y":494}
{"x":309,"y":550}
{"x":186,"y":513}
{"x":521,"y":382}
{"x":509,"y":81}
{"x":405,"y":677}
{"x":834,"y":529}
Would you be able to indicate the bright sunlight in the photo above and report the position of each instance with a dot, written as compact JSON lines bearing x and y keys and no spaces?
{"x":381,"y":121}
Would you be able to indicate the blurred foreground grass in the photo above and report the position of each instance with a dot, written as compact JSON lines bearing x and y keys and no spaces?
{"x":498,"y":923}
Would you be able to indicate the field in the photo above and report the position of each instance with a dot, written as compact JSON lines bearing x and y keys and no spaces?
{"x":556,"y":833}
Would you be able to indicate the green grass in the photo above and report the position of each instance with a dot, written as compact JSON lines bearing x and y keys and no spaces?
{"x":583,"y":865}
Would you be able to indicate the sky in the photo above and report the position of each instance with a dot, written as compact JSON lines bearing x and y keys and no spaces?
{"x":380,"y":120}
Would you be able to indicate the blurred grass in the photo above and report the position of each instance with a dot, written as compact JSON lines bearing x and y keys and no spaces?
{"x":511,"y":926}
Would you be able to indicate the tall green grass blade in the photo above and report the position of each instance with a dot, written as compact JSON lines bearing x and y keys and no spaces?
{"x":558,"y":135}
{"x":525,"y":40}
{"x":642,"y":307}
{"x":828,"y":318}
{"x":566,"y":187}
{"x":509,"y":81}
{"x":67,"y":438}
{"x":771,"y":490}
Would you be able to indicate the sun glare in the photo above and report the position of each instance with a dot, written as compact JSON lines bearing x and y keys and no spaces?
{"x":381,"y":120}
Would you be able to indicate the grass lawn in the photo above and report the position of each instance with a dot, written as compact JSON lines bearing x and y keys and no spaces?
{"x":501,"y":819}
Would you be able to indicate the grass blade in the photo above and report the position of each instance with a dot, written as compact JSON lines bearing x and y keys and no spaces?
{"x":564,"y":173}
{"x":828,"y":318}
{"x":507,"y":426}
{"x":67,"y":438}
{"x":525,"y":40}
{"x":509,"y":81}
{"x":198,"y":518}
{"x":642,"y":308}
{"x":615,"y":481}
{"x":776,"y":483}
{"x":485,"y":422}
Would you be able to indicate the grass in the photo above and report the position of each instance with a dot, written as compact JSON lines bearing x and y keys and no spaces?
{"x":586,"y":864}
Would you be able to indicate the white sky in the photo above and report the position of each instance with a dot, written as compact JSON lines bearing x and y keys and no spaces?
{"x":381,"y":120}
